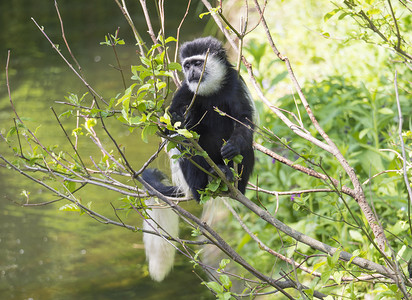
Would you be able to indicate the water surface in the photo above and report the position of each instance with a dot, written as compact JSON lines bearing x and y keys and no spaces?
{"x":46,"y":253}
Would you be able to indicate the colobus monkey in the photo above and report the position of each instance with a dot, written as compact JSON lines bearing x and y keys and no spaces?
{"x":221,"y":137}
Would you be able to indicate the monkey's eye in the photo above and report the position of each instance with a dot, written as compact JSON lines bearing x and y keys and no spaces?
{"x":198,"y":63}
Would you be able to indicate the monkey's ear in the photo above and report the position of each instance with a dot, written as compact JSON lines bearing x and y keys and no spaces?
{"x":222,"y":53}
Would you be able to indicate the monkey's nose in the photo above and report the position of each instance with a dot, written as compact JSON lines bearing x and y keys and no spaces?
{"x":193,"y":76}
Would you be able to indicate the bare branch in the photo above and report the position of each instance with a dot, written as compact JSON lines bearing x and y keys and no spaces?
{"x":126,"y":14}
{"x":302,"y":169}
{"x":179,"y":27}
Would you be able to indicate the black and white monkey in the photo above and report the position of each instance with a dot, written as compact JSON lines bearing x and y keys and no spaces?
{"x":221,"y":137}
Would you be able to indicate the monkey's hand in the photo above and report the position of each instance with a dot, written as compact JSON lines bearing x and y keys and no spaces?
{"x":176,"y":117}
{"x":229,"y":150}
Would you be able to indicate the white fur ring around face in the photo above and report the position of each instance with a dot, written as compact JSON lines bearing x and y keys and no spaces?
{"x":213,"y":77}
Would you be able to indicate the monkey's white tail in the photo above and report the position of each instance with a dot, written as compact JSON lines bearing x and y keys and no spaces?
{"x":160,"y":252}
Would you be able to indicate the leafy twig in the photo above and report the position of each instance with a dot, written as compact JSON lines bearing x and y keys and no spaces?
{"x":129,"y":20}
{"x":68,"y":138}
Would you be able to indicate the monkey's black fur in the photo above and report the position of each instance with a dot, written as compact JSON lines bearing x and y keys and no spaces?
{"x":157,"y":180}
{"x":200,"y":46}
{"x":220,"y":136}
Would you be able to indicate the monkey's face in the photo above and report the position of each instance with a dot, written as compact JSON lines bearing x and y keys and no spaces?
{"x":193,"y":69}
{"x":206,"y":80}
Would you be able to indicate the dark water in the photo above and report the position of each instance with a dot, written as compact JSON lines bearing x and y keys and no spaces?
{"x":46,"y":253}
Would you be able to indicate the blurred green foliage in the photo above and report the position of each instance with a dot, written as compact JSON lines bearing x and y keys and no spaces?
{"x":347,"y":73}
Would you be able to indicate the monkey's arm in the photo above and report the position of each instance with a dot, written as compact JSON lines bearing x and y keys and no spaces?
{"x":180,"y":102}
{"x":241,"y":109}
{"x":241,"y":140}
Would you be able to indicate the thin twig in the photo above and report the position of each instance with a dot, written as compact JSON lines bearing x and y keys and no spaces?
{"x":305,"y":170}
{"x":220,"y":25}
{"x":178,"y":29}
{"x":198,"y":84}
{"x":152,"y":158}
{"x":286,"y":193}
{"x":405,"y":173}
{"x":398,"y":34}
{"x":64,"y":38}
{"x":68,"y":138}
{"x":119,"y":66}
{"x":148,"y":21}
{"x":68,"y":64}
{"x":129,"y":20}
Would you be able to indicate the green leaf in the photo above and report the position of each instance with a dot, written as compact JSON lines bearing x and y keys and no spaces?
{"x":71,"y":186}
{"x":212,"y":10}
{"x":386,"y":111}
{"x":165,"y":119}
{"x":196,"y":232}
{"x":70,"y":207}
{"x":225,"y":296}
{"x":224,"y":279}
{"x":186,"y":133}
{"x":356,"y":236}
{"x":214,"y":184}
{"x":204,"y":197}
{"x":342,"y":15}
{"x":400,"y":253}
{"x":175,"y":66}
{"x":335,"y":257}
{"x":161,"y":85}
{"x":170,"y":146}
{"x":214,"y":286}
{"x":238,"y":159}
{"x":90,"y":123}
{"x":126,"y":96}
{"x":364,"y":132}
{"x":196,"y":258}
{"x":170,"y":39}
{"x":318,"y":265}
{"x":223,"y":263}
{"x":398,"y":227}
{"x":144,"y":87}
{"x":147,"y":131}
{"x":146,"y":61}
{"x":330,"y":14}
{"x":337,"y":276}
{"x":325,"y":275}
{"x":66,"y":114}
{"x":245,"y":239}
{"x":373,"y":11}
{"x":12,"y":131}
